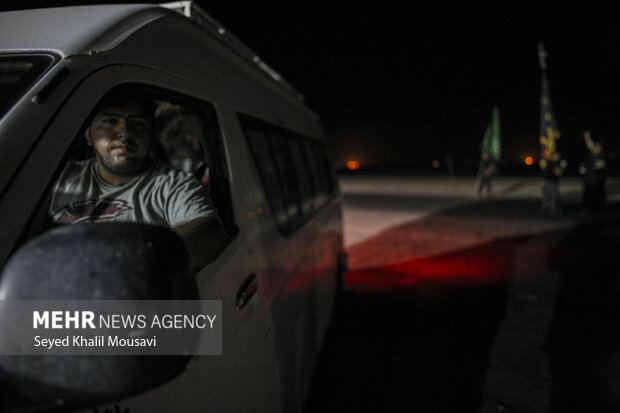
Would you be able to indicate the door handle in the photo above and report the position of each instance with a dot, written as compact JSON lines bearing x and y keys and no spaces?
{"x":246,"y":291}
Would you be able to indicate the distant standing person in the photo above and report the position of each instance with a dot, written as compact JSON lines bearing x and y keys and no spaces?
{"x":554,"y":168}
{"x":594,"y":170}
{"x":485,"y":173}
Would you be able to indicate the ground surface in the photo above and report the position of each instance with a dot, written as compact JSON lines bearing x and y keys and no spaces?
{"x":465,"y":305}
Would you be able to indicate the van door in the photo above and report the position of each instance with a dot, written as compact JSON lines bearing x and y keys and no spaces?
{"x":244,"y":377}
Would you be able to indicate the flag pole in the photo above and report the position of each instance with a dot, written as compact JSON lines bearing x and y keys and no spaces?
{"x":542,"y":57}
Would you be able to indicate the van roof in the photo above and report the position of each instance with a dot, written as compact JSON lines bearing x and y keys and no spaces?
{"x":77,"y":30}
{"x":73,"y":30}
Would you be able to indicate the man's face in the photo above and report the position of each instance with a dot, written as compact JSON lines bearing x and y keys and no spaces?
{"x":121,"y":138}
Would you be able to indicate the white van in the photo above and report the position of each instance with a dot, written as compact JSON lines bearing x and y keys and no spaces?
{"x":244,"y":132}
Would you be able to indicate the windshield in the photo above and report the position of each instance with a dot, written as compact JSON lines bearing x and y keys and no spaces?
{"x":17,"y":74}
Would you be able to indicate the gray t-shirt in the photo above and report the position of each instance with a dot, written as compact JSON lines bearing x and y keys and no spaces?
{"x":160,"y":196}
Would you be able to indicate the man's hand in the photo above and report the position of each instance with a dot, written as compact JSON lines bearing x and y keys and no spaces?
{"x":204,"y":238}
{"x":587,"y":137}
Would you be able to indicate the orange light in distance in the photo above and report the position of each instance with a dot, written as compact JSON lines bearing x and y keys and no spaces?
{"x":436,"y":164}
{"x":351,"y":165}
{"x":529,"y":160}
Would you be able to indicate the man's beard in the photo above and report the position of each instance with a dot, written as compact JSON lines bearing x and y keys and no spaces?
{"x":124,"y":166}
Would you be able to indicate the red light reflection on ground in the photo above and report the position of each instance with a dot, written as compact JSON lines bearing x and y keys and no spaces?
{"x":489,"y":262}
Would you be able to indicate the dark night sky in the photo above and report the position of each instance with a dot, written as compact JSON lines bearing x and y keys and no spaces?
{"x":395,"y":83}
{"x":398,"y":83}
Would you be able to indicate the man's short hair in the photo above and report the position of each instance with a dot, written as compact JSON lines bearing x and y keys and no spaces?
{"x":123,"y":97}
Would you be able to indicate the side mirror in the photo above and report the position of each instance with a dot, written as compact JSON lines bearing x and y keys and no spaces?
{"x":112,"y":261}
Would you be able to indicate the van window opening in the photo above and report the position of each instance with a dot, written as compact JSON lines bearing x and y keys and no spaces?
{"x":185,"y":135}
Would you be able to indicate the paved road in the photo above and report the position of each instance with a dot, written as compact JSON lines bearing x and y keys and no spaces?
{"x":454,"y":304}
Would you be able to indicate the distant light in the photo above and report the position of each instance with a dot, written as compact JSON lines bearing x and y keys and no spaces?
{"x":436,"y":164}
{"x":529,"y":160}
{"x":352,"y":165}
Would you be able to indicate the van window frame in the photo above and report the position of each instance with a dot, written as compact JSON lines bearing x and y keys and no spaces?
{"x":212,"y":140}
{"x":317,"y":158}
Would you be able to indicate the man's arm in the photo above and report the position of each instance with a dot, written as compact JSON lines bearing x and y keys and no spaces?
{"x":587,"y":137}
{"x":204,"y":238}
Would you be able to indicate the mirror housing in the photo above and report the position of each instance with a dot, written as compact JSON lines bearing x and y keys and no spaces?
{"x":111,"y":261}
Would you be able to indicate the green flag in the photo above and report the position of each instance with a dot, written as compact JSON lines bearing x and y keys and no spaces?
{"x":492,"y":141}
